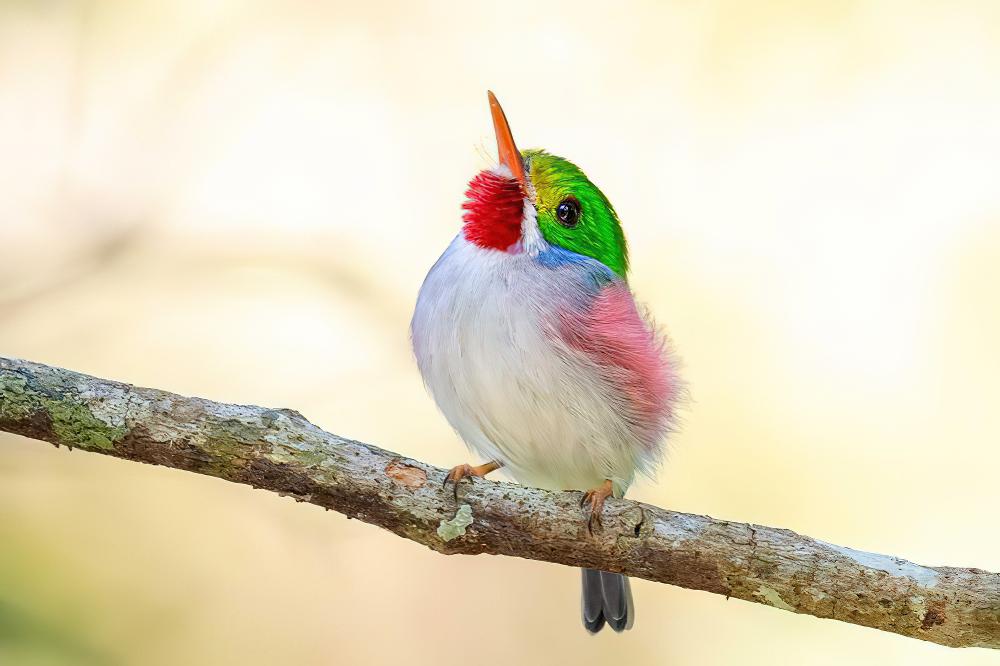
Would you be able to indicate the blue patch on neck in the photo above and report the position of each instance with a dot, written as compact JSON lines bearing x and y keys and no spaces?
{"x":556,"y":257}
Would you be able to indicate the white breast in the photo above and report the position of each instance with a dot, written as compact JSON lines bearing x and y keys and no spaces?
{"x":485,"y":342}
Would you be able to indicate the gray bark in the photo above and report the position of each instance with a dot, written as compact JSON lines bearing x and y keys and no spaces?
{"x":279,"y":450}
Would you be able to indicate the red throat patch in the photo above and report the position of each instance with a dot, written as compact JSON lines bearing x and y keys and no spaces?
{"x":493,"y":209}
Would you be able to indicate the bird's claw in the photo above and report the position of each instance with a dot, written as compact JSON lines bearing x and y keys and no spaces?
{"x":595,"y":497}
{"x":459,"y":472}
{"x":595,"y":519}
{"x":456,"y":474}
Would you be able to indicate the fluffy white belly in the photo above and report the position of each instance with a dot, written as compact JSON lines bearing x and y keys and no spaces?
{"x":485,"y":339}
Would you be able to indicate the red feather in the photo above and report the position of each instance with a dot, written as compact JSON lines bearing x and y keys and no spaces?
{"x":493,"y":209}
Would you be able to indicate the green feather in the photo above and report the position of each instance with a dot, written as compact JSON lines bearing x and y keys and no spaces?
{"x":598,"y":234}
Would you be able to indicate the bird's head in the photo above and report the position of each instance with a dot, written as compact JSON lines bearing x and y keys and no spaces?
{"x":534,"y":200}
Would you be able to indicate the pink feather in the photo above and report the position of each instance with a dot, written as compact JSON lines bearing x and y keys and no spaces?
{"x":612,"y":333}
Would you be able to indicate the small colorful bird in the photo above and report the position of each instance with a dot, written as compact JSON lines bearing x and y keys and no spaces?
{"x":528,"y":337}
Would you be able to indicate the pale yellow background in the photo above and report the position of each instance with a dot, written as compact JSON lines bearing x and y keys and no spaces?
{"x":239,"y":201}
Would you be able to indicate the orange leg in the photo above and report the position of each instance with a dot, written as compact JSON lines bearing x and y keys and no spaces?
{"x":459,"y":472}
{"x":596,"y":497}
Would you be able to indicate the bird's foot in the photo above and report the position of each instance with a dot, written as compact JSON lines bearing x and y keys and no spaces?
{"x":459,"y":472}
{"x":595,"y":497}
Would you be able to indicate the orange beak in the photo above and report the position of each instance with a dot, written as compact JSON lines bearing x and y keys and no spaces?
{"x":509,"y":155}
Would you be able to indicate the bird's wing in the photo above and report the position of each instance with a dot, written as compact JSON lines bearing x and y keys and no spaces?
{"x":630,"y":355}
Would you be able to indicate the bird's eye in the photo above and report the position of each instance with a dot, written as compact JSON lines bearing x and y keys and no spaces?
{"x":568,"y":212}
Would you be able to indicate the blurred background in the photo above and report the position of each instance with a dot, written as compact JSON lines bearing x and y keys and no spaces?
{"x":240,"y":200}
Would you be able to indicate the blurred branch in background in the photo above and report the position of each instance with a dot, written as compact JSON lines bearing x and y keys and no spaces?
{"x":96,"y":256}
{"x":279,"y":450}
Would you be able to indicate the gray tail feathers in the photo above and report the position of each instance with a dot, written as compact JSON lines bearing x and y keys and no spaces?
{"x":607,"y":597}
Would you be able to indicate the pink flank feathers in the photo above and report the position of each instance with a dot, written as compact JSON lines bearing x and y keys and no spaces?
{"x":613,"y":334}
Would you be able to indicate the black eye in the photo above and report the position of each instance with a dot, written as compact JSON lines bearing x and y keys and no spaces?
{"x":568,"y":212}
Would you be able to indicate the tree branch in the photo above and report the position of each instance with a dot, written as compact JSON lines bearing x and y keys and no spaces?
{"x":280,"y":451}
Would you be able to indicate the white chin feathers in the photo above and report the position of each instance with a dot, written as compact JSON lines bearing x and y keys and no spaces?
{"x":532,"y":242}
{"x":531,"y":236}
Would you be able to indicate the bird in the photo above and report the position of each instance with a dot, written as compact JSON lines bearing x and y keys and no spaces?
{"x":529,"y":339}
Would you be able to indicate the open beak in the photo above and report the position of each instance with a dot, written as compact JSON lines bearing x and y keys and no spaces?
{"x":509,"y":155}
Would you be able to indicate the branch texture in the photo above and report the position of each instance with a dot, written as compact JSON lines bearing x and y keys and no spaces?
{"x":279,"y":450}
